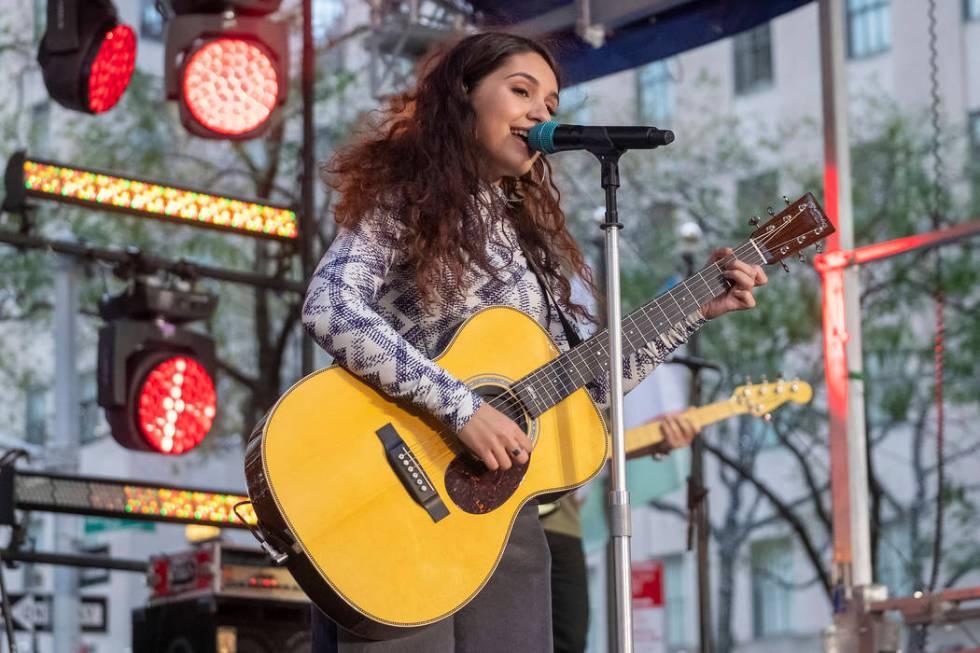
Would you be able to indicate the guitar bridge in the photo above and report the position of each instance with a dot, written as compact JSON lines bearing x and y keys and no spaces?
{"x":408,"y":470}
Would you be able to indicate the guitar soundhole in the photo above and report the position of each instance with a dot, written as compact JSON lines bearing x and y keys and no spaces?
{"x":470,"y":485}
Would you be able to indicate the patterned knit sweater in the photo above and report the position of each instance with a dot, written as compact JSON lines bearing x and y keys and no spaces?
{"x":364,"y":307}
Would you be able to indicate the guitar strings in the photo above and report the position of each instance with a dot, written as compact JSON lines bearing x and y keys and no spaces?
{"x":674,"y":317}
{"x":513,"y":408}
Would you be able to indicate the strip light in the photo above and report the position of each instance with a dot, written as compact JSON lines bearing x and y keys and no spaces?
{"x":106,"y":497}
{"x":101,"y":190}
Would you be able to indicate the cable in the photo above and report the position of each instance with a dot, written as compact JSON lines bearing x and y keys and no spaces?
{"x":938,"y":295}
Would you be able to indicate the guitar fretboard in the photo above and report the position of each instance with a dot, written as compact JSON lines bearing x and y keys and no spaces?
{"x":661,"y":318}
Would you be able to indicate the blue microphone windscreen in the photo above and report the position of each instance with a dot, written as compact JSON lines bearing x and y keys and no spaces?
{"x":541,"y":136}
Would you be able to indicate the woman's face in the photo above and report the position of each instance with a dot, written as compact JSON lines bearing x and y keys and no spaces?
{"x":518,"y":95}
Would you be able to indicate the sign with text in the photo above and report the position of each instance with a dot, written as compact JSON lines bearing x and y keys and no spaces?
{"x":649,"y":633}
{"x":35,"y":612}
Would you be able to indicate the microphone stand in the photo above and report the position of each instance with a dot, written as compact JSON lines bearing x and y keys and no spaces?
{"x":618,"y":497}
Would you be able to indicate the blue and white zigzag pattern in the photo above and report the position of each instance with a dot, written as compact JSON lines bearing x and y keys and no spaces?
{"x":364,"y":308}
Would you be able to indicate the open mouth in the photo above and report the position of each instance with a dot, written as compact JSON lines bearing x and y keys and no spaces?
{"x":521,"y":135}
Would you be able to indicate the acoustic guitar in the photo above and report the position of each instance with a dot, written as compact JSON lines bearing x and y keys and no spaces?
{"x":758,"y":399}
{"x":379,"y":512}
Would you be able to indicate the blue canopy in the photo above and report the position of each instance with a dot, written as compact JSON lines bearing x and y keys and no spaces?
{"x":646,"y":36}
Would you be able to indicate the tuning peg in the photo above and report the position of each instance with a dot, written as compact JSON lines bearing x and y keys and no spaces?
{"x":779,"y":376}
{"x":786,"y":199}
{"x":754,"y":221}
{"x":767,"y":417}
{"x":785,"y":267}
{"x":802,"y":257}
{"x":770,"y":211}
{"x":765,"y":378}
{"x":748,"y":380}
{"x":819,"y":247}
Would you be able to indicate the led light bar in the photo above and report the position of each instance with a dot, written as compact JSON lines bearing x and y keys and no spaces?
{"x":109,"y":192}
{"x":105,"y":497}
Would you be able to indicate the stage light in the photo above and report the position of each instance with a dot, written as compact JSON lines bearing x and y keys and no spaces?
{"x":107,"y":497}
{"x":156,"y":380}
{"x":175,"y":402}
{"x":101,"y":190}
{"x":86,"y":56}
{"x":230,"y":86}
{"x":227,"y":71}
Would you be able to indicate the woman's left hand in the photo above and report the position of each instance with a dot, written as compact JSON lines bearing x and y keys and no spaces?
{"x":744,"y":279}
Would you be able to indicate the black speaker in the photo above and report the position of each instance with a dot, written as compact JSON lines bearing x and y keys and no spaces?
{"x":211,"y":624}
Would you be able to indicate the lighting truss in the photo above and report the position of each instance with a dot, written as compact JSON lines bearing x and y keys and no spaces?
{"x":96,"y":189}
{"x":123,"y":499}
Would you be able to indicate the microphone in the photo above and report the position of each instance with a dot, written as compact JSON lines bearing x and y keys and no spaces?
{"x":552,"y":136}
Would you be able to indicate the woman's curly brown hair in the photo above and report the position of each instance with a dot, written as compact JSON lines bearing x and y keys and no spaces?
{"x":422,"y":162}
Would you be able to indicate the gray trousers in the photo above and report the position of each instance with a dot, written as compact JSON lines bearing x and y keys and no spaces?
{"x":512,"y":613}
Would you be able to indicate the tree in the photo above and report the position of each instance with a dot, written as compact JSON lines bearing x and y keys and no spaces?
{"x":774,"y":478}
{"x":255,"y":329}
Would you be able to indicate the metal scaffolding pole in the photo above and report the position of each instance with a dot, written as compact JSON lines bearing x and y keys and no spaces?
{"x":842,"y":324}
{"x":64,"y":447}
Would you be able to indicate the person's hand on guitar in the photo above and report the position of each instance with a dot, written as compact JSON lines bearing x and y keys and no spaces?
{"x":495,"y":439}
{"x":744,"y":278}
{"x":678,"y":431}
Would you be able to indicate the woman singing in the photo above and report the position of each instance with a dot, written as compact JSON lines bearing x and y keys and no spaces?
{"x":441,"y":206}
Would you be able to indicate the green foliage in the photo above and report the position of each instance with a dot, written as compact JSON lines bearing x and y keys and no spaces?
{"x":894,"y":195}
{"x":142,"y":137}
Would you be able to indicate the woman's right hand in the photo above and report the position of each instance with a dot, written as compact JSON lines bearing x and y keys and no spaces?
{"x":494,"y":438}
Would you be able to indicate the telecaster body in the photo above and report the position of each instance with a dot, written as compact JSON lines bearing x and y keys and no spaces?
{"x":374,"y":556}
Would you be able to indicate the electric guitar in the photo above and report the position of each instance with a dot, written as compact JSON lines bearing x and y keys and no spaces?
{"x":380,"y":513}
{"x":758,"y":399}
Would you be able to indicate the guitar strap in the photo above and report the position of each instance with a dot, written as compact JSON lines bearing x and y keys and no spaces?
{"x":549,"y":504}
{"x":574,"y":340}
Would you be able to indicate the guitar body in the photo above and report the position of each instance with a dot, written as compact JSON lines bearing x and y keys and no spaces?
{"x":371,"y":554}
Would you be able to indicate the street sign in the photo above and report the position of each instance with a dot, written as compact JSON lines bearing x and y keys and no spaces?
{"x":34,"y":612}
{"x":103,"y":524}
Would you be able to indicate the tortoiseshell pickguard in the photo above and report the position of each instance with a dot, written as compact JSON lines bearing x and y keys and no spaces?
{"x":476,"y":489}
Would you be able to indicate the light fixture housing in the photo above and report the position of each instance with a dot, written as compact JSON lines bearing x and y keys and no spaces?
{"x":96,"y":189}
{"x":86,"y":56}
{"x":156,"y":379}
{"x":228,"y":73}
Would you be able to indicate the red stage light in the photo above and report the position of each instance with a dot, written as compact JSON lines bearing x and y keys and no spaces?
{"x":112,"y":68}
{"x":176,"y":404}
{"x":230,"y":86}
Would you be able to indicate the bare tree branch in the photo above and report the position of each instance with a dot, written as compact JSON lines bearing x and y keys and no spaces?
{"x":794,"y":521}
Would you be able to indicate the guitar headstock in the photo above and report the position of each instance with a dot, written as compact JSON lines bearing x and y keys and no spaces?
{"x":800,"y":224}
{"x":760,"y":399}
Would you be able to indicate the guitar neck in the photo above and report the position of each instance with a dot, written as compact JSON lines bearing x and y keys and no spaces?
{"x":660,"y":319}
{"x":640,"y":440}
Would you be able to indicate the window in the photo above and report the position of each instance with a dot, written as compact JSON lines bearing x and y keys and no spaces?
{"x":327,"y":15}
{"x":151,"y":22}
{"x":89,"y":407}
{"x":36,"y":415}
{"x":868,"y":27}
{"x":674,"y":599}
{"x":654,"y":94}
{"x":40,"y":18}
{"x":753,"y":60}
{"x":971,"y":9}
{"x":973,"y":161}
{"x":894,"y":563}
{"x":38,"y":131}
{"x":772,"y":577}
{"x":754,"y":194}
{"x":574,"y":106}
